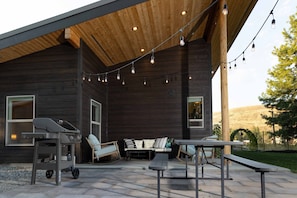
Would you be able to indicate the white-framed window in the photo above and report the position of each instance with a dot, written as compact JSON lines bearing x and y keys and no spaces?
{"x":95,"y":118}
{"x":195,"y":112}
{"x":20,"y":112}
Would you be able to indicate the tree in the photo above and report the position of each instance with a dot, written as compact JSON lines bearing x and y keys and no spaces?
{"x":281,"y":91}
{"x":217,"y":130}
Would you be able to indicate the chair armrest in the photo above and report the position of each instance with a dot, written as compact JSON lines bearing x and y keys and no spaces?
{"x":109,"y":143}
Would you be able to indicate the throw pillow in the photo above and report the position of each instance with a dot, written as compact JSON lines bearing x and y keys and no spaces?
{"x":129,"y":143}
{"x":148,"y":143}
{"x":138,"y":144}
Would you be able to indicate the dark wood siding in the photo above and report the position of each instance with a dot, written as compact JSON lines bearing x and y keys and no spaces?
{"x":51,"y":76}
{"x":199,"y":63}
{"x":92,"y":90}
{"x":159,"y":109}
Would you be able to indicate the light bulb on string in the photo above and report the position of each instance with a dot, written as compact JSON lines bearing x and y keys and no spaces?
{"x":152,"y":58}
{"x":182,"y":41}
{"x":144,"y":82}
{"x":225,"y":9}
{"x":105,"y":79}
{"x":243,"y":58}
{"x":182,"y":38}
{"x":273,"y":20}
{"x":230,"y":67}
{"x":123,"y":82}
{"x":235,"y":66}
{"x":132,"y":68}
{"x":99,"y":78}
{"x":253,"y":47}
{"x":90,"y":79}
{"x":84,"y":77}
{"x":166,"y":80}
{"x":118,"y":75}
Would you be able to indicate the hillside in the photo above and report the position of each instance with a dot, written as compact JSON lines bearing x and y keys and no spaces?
{"x":247,"y":117}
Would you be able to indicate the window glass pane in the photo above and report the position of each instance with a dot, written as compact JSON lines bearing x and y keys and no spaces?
{"x":95,"y":124}
{"x":21,"y":109}
{"x":16,"y":129}
{"x":95,"y":129}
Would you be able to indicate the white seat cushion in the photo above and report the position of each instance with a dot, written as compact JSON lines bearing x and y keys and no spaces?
{"x":95,"y":142}
{"x":105,"y":150}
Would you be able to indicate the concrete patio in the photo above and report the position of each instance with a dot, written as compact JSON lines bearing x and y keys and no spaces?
{"x":133,"y":179}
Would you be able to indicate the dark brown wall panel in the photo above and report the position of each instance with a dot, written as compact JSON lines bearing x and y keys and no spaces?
{"x":159,"y":109}
{"x":92,"y":90}
{"x":51,"y":76}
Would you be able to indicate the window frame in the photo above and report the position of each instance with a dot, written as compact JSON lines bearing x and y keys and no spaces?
{"x":97,"y":123}
{"x":190,"y":119}
{"x":8,"y":121}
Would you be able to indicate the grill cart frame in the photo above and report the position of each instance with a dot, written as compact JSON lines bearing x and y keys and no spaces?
{"x":50,"y":137}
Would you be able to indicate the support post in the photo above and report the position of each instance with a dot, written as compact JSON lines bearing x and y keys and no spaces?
{"x":224,"y":76}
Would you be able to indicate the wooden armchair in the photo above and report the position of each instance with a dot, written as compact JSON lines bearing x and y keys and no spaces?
{"x":100,"y":150}
{"x":203,"y":153}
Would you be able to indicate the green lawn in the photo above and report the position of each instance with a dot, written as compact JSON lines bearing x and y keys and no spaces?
{"x":283,"y":159}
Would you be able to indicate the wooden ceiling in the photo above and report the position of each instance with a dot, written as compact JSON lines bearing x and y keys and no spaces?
{"x":160,"y":25}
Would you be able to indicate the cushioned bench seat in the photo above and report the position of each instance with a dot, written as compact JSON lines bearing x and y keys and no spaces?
{"x":146,"y":145}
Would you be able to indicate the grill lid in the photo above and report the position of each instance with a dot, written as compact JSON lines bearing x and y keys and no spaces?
{"x":54,"y":126}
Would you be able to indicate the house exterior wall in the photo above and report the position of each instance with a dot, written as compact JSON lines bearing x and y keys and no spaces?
{"x":158,"y":109}
{"x":51,"y":76}
{"x":91,"y":90}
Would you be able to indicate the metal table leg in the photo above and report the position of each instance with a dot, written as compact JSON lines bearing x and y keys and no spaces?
{"x":196,"y":168}
{"x":222,"y":172}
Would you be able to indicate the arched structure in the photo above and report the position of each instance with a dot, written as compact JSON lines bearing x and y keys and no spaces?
{"x":251,"y":136}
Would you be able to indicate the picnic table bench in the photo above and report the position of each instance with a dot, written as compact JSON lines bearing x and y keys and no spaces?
{"x":257,"y":166}
{"x":159,"y":163}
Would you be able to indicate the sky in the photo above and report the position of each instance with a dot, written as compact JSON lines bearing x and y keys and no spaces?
{"x":248,"y":81}
{"x":245,"y":83}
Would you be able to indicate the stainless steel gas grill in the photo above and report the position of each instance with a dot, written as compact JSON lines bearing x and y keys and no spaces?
{"x":51,"y":137}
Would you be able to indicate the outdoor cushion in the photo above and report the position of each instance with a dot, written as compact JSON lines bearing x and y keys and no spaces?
{"x":190,"y":149}
{"x":130,"y":143}
{"x":104,"y":150}
{"x":148,"y":143}
{"x":138,"y":143}
{"x":160,"y":142}
{"x":95,"y":142}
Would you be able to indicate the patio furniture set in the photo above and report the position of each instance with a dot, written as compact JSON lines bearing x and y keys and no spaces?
{"x":195,"y":151}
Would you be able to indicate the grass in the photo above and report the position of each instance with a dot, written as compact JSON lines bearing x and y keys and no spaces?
{"x":279,"y":158}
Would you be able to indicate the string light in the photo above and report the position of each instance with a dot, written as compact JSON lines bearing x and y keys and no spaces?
{"x":105,"y":79}
{"x":273,"y":20}
{"x":144,"y":82}
{"x":181,"y":39}
{"x":225,"y":9}
{"x":253,"y":47}
{"x":99,"y":78}
{"x":152,"y":61}
{"x":118,"y":75}
{"x":243,"y":58}
{"x":167,"y":80}
{"x":132,"y":68}
{"x":89,"y":79}
{"x":123,"y":82}
{"x":252,"y":43}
